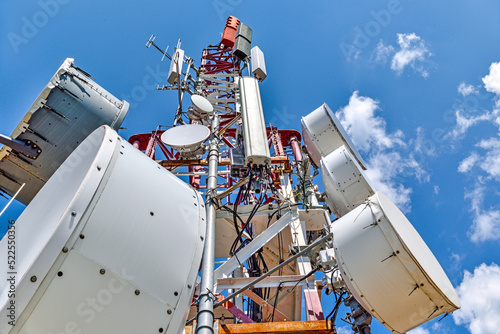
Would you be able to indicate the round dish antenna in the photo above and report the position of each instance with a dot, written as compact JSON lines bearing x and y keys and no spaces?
{"x":187,"y":139}
{"x":388,"y":267}
{"x":103,"y":232}
{"x":323,"y":134}
{"x":346,"y":185}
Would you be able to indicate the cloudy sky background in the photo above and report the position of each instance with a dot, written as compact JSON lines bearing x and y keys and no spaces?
{"x":415,"y":83}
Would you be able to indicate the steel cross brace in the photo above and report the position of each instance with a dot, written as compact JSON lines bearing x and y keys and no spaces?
{"x":244,"y":254}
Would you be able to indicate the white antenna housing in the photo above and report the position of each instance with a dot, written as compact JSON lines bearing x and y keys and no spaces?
{"x":187,"y":139}
{"x":323,"y":134}
{"x":388,"y":267}
{"x":254,"y":127}
{"x":345,"y":183}
{"x":258,"y":63}
{"x":107,"y":255}
{"x":175,"y":66}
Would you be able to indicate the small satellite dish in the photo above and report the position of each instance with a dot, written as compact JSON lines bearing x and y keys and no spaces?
{"x":388,"y":267}
{"x":323,"y":133}
{"x":345,"y":183}
{"x":100,"y":232}
{"x":187,"y":139}
{"x":202,"y":107}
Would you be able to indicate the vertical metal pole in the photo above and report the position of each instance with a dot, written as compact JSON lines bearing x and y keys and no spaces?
{"x":206,"y":304}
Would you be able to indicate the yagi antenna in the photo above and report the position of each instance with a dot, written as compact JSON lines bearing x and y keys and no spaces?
{"x":151,"y":42}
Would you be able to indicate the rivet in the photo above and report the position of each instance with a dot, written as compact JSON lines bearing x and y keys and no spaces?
{"x":189,"y":286}
{"x":201,"y":238}
{"x":60,"y":273}
{"x":110,"y":140}
{"x":160,"y":330}
{"x":195,"y":204}
{"x":137,"y":292}
{"x":73,"y":213}
{"x":152,"y":213}
{"x":65,"y":249}
{"x":169,"y":311}
{"x":397,"y":252}
{"x":102,"y":271}
{"x":82,"y":236}
{"x":176,"y":293}
{"x":33,"y":279}
{"x":98,"y":167}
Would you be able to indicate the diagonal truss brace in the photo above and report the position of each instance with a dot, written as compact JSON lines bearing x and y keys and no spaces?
{"x":244,"y":254}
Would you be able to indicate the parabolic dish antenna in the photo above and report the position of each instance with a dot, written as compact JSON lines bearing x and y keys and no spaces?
{"x":346,"y":185}
{"x":201,"y":104}
{"x":323,"y":134}
{"x":388,"y":267}
{"x":186,"y":138}
{"x":107,"y":256}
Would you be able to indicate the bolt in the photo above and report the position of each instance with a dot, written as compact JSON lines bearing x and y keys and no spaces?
{"x":65,"y":249}
{"x":176,"y":293}
{"x":102,"y":271}
{"x":169,"y":311}
{"x":137,"y":292}
{"x":98,"y":167}
{"x":201,"y":238}
{"x":189,"y":286}
{"x":82,"y":236}
{"x":160,"y":330}
{"x":33,"y":279}
{"x":60,"y":273}
{"x":73,"y":213}
{"x":152,"y":213}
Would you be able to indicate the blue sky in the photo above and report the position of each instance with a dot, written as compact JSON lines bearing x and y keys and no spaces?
{"x":415,"y":83}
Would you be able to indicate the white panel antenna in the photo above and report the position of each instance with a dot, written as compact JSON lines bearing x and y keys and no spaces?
{"x":258,"y":63}
{"x":175,"y":66}
{"x":254,"y":128}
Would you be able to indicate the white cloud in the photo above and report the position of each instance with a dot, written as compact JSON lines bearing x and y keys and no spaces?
{"x":492,"y":80}
{"x":413,"y":52}
{"x":456,"y":261}
{"x":486,"y":223}
{"x":386,"y":159}
{"x":490,"y":163}
{"x":382,"y":170}
{"x":479,"y":293}
{"x":383,"y":52}
{"x":469,"y":162}
{"x":465,"y":122}
{"x":419,"y":330}
{"x":366,"y":129}
{"x":436,"y":190}
{"x":465,"y":89}
{"x":343,"y":330}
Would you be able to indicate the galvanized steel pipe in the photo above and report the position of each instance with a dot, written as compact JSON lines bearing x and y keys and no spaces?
{"x":206,"y":301}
